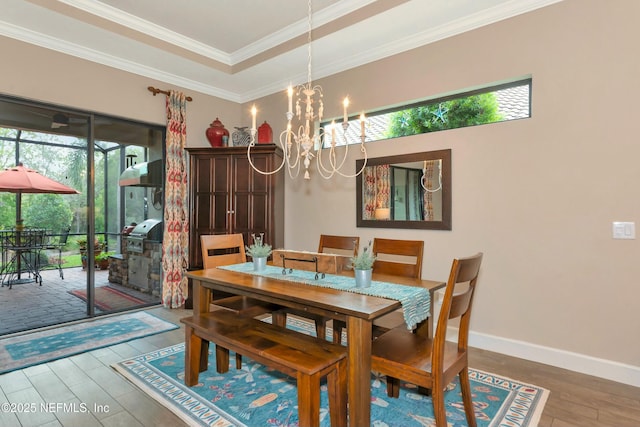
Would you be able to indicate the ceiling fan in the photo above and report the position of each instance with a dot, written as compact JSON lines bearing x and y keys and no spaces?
{"x":63,"y":120}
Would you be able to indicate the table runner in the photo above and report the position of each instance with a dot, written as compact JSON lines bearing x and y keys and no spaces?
{"x":416,"y":301}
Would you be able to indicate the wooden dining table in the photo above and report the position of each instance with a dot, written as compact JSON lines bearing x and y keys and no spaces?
{"x":357,"y":310}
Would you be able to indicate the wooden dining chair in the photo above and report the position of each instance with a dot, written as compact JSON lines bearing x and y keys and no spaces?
{"x":398,"y":257}
{"x":346,"y":246}
{"x":394,"y":257}
{"x":433,"y":363}
{"x":339,"y":245}
{"x":227,"y":249}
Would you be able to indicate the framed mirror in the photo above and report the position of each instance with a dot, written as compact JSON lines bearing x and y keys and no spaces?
{"x":405,"y":191}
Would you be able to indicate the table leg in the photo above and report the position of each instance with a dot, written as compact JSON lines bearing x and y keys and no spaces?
{"x":359,"y":371}
{"x":201,"y":298}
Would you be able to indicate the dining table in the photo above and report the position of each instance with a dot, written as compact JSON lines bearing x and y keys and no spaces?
{"x":357,"y":309}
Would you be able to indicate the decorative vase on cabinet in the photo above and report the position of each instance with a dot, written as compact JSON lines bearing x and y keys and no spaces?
{"x":216,"y":132}
{"x":265,"y":134}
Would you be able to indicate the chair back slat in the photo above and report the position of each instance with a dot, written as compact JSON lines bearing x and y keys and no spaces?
{"x":346,"y":246}
{"x":398,"y":257}
{"x":341,"y":245}
{"x":460,"y":304}
{"x":222,"y":249}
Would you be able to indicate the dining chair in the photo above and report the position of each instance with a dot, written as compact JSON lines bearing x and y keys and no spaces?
{"x":226,"y":249}
{"x":394,"y":257}
{"x":433,"y":363}
{"x":339,"y":245}
{"x":346,"y":246}
{"x":398,"y":257}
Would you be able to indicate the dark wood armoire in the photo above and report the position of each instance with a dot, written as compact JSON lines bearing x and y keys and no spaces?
{"x":227,"y":196}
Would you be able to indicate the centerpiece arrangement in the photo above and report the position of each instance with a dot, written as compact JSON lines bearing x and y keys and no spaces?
{"x":259,"y":252}
{"x":363,"y":266}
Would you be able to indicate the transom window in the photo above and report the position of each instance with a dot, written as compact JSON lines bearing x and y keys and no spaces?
{"x":492,"y":104}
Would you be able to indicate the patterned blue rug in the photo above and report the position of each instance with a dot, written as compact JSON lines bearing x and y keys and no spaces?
{"x":258,"y":396}
{"x":43,"y":346}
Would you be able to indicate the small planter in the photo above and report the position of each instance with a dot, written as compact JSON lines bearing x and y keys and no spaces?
{"x":259,"y":252}
{"x":259,"y":263}
{"x":363,"y":278}
{"x":102,"y":260}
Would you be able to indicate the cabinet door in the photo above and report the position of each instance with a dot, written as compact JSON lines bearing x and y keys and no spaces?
{"x":222,"y":209}
{"x":250,"y":198}
{"x":211,"y":201}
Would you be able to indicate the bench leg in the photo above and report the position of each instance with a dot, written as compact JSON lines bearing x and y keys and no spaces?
{"x":222,"y":359}
{"x":337,"y":389}
{"x":338,"y":326}
{"x":204,"y":355}
{"x":192,"y":356}
{"x":321,"y":328}
{"x":238,"y":361}
{"x":279,"y":318}
{"x":309,"y":399}
{"x":393,"y":387}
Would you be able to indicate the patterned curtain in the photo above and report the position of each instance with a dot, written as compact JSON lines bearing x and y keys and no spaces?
{"x":175,"y":241}
{"x":383,"y":174}
{"x":376,"y":185}
{"x":428,"y":196}
{"x":368,"y":192}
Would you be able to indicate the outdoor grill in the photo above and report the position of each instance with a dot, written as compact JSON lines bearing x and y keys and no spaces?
{"x":149,"y":230}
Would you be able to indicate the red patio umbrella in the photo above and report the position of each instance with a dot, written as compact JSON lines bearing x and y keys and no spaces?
{"x":20,"y":179}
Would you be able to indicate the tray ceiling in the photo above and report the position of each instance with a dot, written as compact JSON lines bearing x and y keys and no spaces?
{"x":243,"y":49}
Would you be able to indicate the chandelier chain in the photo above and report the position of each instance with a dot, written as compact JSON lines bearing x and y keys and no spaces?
{"x":300,"y":146}
{"x":310,"y":28}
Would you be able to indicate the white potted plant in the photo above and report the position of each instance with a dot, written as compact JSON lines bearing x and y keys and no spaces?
{"x":362,"y":266}
{"x":259,"y":252}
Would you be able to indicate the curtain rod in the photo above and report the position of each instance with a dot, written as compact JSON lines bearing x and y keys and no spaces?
{"x":166,"y":92}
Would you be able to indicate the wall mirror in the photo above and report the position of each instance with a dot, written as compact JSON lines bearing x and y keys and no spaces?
{"x":405,"y":191}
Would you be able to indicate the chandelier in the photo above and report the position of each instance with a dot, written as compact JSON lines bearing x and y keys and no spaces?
{"x":300,"y":146}
{"x":427,"y":172}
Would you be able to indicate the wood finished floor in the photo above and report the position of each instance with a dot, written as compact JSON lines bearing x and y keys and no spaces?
{"x":576,"y":400}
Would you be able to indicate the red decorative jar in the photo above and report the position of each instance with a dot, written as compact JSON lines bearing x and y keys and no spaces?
{"x":216,"y":132}
{"x":265,"y":134}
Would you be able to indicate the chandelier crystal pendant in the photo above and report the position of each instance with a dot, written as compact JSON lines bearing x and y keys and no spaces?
{"x":300,"y":146}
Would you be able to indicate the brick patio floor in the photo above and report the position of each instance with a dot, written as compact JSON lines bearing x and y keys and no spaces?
{"x":30,"y":306}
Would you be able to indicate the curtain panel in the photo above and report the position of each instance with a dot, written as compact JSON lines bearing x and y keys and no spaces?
{"x":175,"y":242}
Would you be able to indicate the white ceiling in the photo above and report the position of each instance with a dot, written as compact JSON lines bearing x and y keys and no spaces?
{"x":243,"y":49}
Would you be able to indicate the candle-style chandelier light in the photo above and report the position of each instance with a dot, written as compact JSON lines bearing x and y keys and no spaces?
{"x":301,"y":146}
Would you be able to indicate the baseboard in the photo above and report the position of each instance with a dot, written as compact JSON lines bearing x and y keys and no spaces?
{"x":602,"y":368}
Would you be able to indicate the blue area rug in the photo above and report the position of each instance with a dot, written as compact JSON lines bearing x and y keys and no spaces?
{"x":43,"y":346}
{"x":258,"y":396}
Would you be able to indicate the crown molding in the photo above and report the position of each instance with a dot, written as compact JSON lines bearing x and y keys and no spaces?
{"x":83,"y":52}
{"x":140,"y":25}
{"x":326,"y":68}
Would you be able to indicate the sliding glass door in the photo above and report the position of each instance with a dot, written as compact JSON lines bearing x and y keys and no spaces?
{"x":77,"y":265}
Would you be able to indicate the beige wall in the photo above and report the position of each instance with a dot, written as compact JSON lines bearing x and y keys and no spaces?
{"x":537,"y":196}
{"x":52,"y":77}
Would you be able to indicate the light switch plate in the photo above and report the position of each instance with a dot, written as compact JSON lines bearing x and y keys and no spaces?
{"x":624,"y":230}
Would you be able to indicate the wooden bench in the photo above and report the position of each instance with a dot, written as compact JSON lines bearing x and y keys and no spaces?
{"x":306,"y":358}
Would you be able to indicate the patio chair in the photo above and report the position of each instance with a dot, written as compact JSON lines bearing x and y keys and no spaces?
{"x":58,"y":244}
